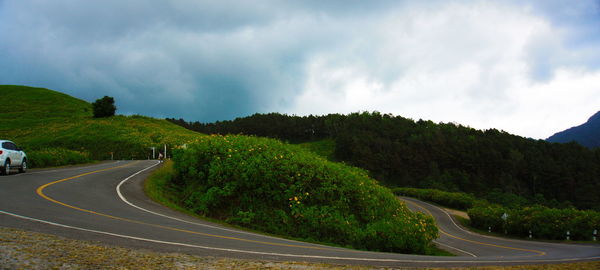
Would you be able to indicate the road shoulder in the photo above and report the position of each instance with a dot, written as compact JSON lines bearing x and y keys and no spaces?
{"x":21,"y":249}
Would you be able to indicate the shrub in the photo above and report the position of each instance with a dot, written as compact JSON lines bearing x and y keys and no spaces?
{"x":55,"y":157}
{"x":544,"y":222}
{"x":104,"y":107}
{"x":484,"y":216}
{"x":278,"y":188}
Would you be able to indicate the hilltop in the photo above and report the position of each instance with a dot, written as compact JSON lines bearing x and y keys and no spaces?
{"x":46,"y":123}
{"x":587,"y":134}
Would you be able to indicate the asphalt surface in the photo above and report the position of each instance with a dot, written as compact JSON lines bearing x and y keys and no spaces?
{"x":105,"y":202}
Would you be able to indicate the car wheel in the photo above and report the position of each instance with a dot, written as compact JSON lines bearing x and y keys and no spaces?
{"x":23,"y":166}
{"x":6,"y":169}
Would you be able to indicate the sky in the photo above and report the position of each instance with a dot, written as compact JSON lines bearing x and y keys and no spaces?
{"x":531,"y":68}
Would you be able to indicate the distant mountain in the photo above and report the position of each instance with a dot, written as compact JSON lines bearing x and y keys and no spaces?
{"x":587,"y":134}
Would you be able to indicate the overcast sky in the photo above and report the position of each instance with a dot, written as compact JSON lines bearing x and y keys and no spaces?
{"x":531,"y":68}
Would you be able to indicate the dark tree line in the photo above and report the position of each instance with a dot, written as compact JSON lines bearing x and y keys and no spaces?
{"x":401,"y":152}
{"x":293,"y":129}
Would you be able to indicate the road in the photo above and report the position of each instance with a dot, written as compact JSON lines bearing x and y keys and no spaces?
{"x":105,"y":202}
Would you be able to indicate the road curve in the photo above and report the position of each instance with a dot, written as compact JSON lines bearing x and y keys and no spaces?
{"x":105,"y":202}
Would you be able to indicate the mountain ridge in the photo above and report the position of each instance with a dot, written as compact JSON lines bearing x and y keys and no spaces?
{"x":586,"y":134}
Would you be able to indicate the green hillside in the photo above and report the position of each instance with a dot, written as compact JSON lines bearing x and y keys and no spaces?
{"x":401,"y":152}
{"x":47,"y":123}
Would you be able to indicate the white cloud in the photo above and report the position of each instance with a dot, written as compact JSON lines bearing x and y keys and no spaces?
{"x":569,"y":99}
{"x":475,"y":64}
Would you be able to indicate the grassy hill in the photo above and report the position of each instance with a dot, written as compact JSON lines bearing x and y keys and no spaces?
{"x":56,"y":129}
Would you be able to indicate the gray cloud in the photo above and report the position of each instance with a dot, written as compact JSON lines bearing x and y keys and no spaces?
{"x":198,"y":60}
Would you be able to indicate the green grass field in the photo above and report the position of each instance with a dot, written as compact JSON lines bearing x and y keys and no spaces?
{"x":57,"y":129}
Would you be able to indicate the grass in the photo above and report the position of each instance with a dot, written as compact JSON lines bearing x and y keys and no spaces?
{"x":45,"y":122}
{"x":157,"y":187}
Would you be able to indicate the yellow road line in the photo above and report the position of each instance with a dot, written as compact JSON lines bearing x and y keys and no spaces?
{"x":539,"y":253}
{"x":40,"y":192}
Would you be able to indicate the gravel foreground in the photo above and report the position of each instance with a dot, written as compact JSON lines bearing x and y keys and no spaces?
{"x":30,"y":250}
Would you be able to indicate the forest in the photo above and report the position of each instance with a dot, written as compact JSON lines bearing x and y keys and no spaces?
{"x":401,"y":152}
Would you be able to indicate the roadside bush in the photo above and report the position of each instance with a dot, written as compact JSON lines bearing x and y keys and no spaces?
{"x":56,"y":157}
{"x":484,"y":215}
{"x":544,"y":222}
{"x":457,"y":200}
{"x":283,"y":189}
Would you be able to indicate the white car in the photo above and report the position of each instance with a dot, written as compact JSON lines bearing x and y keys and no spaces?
{"x":11,"y":156}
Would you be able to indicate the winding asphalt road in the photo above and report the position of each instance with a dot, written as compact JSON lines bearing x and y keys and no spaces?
{"x":105,"y":202}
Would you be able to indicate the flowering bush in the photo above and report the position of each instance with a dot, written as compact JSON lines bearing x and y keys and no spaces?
{"x":278,"y":188}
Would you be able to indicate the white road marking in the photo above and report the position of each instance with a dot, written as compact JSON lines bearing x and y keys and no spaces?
{"x":286,"y":254}
{"x":455,"y":248}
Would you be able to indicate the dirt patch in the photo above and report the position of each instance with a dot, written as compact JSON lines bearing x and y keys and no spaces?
{"x":459,"y":213}
{"x":29,"y":250}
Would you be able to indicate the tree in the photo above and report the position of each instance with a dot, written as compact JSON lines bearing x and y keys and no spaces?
{"x":104,"y":107}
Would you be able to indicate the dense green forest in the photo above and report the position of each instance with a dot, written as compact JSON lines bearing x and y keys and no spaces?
{"x":402,"y":152}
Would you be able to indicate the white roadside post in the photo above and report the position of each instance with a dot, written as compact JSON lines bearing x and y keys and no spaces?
{"x":595,"y":234}
{"x":505,"y":217}
{"x":530,"y":236}
{"x":568,"y":235}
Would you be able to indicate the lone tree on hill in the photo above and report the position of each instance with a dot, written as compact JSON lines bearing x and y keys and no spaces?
{"x":104,"y":107}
